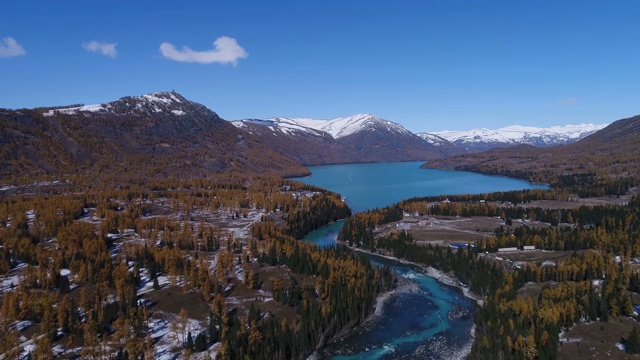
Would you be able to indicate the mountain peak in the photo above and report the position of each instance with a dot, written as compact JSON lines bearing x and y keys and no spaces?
{"x":355,"y":138}
{"x":163,"y":97}
{"x":341,"y":127}
{"x":482,"y":139}
{"x":148,"y":104}
{"x":363,"y":117}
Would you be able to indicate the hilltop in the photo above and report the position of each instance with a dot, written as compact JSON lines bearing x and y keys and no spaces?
{"x":160,"y":134}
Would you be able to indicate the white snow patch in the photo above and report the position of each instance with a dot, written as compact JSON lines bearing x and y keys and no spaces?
{"x":517,"y":134}
{"x":154,"y":98}
{"x":75,"y":110}
{"x":432,"y":139}
{"x":21,"y":325}
{"x":161,"y":331}
{"x":339,"y":127}
{"x":9,"y":282}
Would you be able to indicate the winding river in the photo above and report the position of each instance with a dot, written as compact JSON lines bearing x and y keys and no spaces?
{"x":421,"y":318}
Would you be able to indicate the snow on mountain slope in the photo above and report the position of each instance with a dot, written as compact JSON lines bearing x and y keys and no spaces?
{"x":434,"y":140}
{"x":341,"y":127}
{"x":482,"y":139}
{"x":357,"y":138}
{"x":284,"y":125}
{"x":306,"y":123}
{"x":157,"y":102}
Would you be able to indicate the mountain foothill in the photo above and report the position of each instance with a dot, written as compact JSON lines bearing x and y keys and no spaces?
{"x":610,"y":156}
{"x":165,"y":135}
{"x":195,"y":192}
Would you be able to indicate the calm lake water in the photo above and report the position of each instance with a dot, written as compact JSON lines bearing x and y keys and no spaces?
{"x":421,"y":318}
{"x":368,"y":186}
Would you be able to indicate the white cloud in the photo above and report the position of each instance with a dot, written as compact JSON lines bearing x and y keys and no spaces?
{"x":108,"y":49}
{"x":225,"y":51}
{"x":9,"y":47}
{"x":568,"y":101}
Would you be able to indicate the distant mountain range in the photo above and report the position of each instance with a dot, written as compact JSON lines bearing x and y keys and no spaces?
{"x":164,"y":134}
{"x":610,"y":154}
{"x":357,"y":138}
{"x":366,"y":137}
{"x":484,"y":139}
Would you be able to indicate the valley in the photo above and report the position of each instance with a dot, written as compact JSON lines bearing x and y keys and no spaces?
{"x":187,"y":242}
{"x":319,"y":180}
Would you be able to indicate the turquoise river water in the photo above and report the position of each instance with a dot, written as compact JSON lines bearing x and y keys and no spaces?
{"x":421,"y":318}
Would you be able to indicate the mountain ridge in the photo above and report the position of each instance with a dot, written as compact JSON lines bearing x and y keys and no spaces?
{"x":483,"y":139}
{"x":358,"y":138}
{"x":607,"y":161}
{"x":344,"y":126}
{"x":165,"y":133}
{"x":157,"y":134}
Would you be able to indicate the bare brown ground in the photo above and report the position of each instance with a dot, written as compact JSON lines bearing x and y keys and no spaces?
{"x":444,"y":230}
{"x":596,"y":340}
{"x":171,"y":299}
{"x":574,"y":203}
{"x":242,"y":296}
{"x":532,"y":289}
{"x":537,"y":255}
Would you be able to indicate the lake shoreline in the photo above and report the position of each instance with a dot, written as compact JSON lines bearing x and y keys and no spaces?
{"x":368,"y":186}
{"x":378,"y":185}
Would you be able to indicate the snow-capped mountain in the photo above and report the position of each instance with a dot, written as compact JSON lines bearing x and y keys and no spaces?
{"x":345,"y":126}
{"x":162,"y":134}
{"x":617,"y":143}
{"x":356,"y":138}
{"x":157,"y":103}
{"x":483,"y":139}
{"x":286,"y":126}
{"x":305,"y":145}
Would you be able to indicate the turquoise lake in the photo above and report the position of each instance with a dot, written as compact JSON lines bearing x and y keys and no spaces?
{"x":421,"y":318}
{"x":368,"y":186}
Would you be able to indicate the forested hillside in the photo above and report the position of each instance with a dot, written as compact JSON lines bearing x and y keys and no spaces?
{"x":594,"y":280}
{"x":156,"y":135}
{"x":606,"y":162}
{"x":133,"y":270}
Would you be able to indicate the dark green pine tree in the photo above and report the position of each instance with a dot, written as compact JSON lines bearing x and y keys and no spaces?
{"x":189,"y":341}
{"x":632,"y":342}
{"x":201,"y":342}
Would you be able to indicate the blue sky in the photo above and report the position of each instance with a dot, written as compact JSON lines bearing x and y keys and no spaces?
{"x":429,"y":65}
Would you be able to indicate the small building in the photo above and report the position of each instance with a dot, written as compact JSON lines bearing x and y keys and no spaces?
{"x":528,"y":247}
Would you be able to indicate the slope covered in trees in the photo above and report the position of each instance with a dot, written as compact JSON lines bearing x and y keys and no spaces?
{"x":595,"y":283}
{"x":86,"y":259}
{"x":606,"y":162}
{"x":157,"y":135}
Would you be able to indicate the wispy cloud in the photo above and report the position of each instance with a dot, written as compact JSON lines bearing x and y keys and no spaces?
{"x":225,"y":51}
{"x":568,"y":101}
{"x":108,"y":49}
{"x":9,"y":47}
